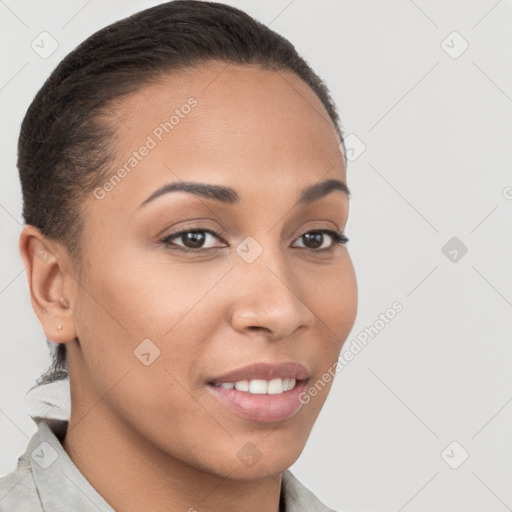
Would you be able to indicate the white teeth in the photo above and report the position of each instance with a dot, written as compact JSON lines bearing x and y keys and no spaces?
{"x":291,"y":384}
{"x":275,"y":387}
{"x":260,"y":386}
{"x":242,"y":385}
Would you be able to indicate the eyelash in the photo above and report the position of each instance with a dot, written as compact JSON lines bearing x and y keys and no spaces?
{"x":337,"y":237}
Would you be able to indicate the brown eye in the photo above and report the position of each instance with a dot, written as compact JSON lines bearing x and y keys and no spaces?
{"x":191,"y":239}
{"x":316,"y":239}
{"x":313,"y":240}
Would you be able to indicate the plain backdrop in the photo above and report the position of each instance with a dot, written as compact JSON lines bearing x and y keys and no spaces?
{"x":421,"y":418}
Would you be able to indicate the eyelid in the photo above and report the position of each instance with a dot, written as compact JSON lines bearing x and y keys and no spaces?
{"x":338,"y":238}
{"x":336,"y":235}
{"x":177,"y":234}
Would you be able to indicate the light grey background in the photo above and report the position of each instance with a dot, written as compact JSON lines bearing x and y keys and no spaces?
{"x":437,"y":129}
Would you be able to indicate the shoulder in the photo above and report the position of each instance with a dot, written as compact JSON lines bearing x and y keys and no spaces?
{"x":299,"y":498}
{"x":18,"y":491}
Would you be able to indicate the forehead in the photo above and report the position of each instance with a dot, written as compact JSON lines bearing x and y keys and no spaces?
{"x":238,"y":125}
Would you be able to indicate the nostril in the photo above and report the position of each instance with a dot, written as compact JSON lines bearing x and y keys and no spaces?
{"x":258,"y":328}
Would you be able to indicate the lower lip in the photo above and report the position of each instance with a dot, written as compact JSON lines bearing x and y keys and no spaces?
{"x":258,"y":407}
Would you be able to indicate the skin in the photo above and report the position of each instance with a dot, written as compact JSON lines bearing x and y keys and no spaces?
{"x":153,"y":437}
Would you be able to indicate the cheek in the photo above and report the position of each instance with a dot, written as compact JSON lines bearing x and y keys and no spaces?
{"x":334,"y":300}
{"x":128,"y":302}
{"x":154,"y":294}
{"x":132,"y":328}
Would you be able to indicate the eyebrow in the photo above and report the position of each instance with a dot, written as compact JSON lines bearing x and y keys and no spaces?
{"x":229,"y":195}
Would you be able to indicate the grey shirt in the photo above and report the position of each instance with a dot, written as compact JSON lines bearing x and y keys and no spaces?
{"x":47,"y":480}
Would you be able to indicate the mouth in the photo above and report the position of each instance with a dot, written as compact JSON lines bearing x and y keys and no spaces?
{"x":262,"y":392}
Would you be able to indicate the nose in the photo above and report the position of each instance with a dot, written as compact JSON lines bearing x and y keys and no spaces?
{"x":269,"y":302}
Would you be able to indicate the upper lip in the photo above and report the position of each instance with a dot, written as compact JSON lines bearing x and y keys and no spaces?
{"x":264,"y":371}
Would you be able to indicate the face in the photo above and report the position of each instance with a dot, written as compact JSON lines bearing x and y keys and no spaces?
{"x":159,"y":315}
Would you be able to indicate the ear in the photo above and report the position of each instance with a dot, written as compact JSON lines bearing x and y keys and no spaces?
{"x":50,"y":284}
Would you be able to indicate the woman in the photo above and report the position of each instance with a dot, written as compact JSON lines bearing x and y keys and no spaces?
{"x":185,"y":198}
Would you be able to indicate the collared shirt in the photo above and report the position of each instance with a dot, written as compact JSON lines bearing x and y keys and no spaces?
{"x":47,"y":480}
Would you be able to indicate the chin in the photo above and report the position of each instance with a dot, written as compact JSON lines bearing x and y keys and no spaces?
{"x":260,"y":455}
{"x":256,"y":469}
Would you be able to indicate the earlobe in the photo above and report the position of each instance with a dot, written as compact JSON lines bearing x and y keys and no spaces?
{"x":49,"y":284}
{"x":59,"y":332}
